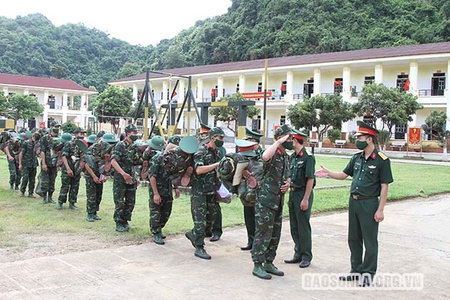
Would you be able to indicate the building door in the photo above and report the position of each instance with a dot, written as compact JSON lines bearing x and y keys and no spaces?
{"x":438,"y":84}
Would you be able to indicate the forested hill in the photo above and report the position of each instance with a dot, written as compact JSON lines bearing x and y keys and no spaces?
{"x":251,"y":29}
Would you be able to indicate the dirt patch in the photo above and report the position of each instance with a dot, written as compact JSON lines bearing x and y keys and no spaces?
{"x":33,"y":246}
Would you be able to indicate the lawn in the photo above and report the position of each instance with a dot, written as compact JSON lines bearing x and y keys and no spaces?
{"x":26,"y":216}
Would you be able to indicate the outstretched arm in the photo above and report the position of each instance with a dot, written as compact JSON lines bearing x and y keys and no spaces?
{"x":324,"y":172}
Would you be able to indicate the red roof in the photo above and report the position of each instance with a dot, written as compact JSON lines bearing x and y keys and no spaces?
{"x":11,"y":79}
{"x":375,"y":53}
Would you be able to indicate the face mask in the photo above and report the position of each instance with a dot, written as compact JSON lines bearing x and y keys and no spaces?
{"x":361,"y":145}
{"x":133,"y":137}
{"x":289,"y":145}
{"x":218,"y":143}
{"x":55,"y":130}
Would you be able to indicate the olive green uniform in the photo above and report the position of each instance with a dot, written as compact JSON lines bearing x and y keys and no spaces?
{"x":302,"y":168}
{"x":368,"y":175}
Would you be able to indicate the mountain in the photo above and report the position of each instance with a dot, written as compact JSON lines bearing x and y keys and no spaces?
{"x":251,"y":29}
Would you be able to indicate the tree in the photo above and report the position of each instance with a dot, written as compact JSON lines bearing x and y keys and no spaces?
{"x":435,"y":124}
{"x":69,"y":126}
{"x":230,"y":113}
{"x":112,"y":104}
{"x":24,"y":107}
{"x":321,"y":112}
{"x":4,"y":105}
{"x":391,"y":105}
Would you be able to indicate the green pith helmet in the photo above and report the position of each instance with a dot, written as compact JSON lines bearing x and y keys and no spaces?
{"x":130,"y":128}
{"x":21,"y":136}
{"x":57,"y":144}
{"x":189,"y":144}
{"x":216,"y":131}
{"x":65,"y":137}
{"x":156,"y":143}
{"x":92,"y":139}
{"x":81,"y":145}
{"x":109,"y":138}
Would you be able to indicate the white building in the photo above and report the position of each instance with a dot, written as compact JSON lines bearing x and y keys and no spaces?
{"x":63,"y":100}
{"x":426,"y":66}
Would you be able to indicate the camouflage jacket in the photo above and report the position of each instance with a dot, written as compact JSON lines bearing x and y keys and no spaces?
{"x":275,"y":173}
{"x":14,"y":146}
{"x":46,"y":147}
{"x":73,"y":156}
{"x":208,"y":183}
{"x":29,"y":158}
{"x":98,"y":157}
{"x":121,"y":155}
{"x":176,"y":162}
{"x":157,"y":170}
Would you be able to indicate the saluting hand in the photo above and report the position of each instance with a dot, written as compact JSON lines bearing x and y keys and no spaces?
{"x":323,"y":172}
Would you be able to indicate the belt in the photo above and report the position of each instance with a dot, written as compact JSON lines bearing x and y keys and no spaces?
{"x":359,"y":197}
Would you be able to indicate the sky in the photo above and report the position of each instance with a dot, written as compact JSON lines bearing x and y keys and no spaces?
{"x":138,"y":22}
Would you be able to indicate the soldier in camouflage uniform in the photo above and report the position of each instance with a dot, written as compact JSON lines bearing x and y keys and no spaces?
{"x":95,"y":174}
{"x":160,"y":191}
{"x":125,"y":184}
{"x":301,"y":199}
{"x":28,"y":163}
{"x":249,"y":206}
{"x":269,"y":204}
{"x":12,"y":149}
{"x":71,"y":170}
{"x":49,"y":160}
{"x":204,"y":188}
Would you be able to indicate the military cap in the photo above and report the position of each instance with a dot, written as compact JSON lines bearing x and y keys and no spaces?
{"x":92,"y":139}
{"x":100,"y":133}
{"x":245,"y":147}
{"x":79,"y":130}
{"x":54,"y":124}
{"x":57,"y":143}
{"x":216,"y":131}
{"x":189,"y":144}
{"x":252,"y":135}
{"x":156,"y":142}
{"x":174,"y":140}
{"x":82,"y":145}
{"x":5,"y":136}
{"x":130,"y":128}
{"x":109,"y":138}
{"x":282,"y":130}
{"x":296,"y":134}
{"x":204,"y":128}
{"x":21,"y":136}
{"x":65,"y":137}
{"x":22,"y":130}
{"x":365,"y":129}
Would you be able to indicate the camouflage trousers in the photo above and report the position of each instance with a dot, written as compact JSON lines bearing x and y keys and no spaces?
{"x":159,"y":213}
{"x":69,"y":186}
{"x":14,"y":172}
{"x":48,"y":180}
{"x":267,"y":232}
{"x":203,"y":209}
{"x":28,"y":178}
{"x":124,"y":200}
{"x":94,"y":192}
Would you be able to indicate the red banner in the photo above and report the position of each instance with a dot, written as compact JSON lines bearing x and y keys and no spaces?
{"x":414,"y":135}
{"x":254,"y":95}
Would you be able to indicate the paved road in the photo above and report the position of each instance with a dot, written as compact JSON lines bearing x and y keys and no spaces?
{"x":414,"y":238}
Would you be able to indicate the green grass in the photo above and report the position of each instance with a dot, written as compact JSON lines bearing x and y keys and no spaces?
{"x":26,"y":216}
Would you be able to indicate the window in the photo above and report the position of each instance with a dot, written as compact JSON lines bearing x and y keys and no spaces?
{"x":400,"y":130}
{"x":282,"y":120}
{"x":438,"y":84}
{"x":51,"y":101}
{"x":256,"y":124}
{"x":403,"y":82}
{"x":237,"y":88}
{"x":338,"y":85}
{"x":260,"y":87}
{"x":308,"y":88}
{"x":369,"y":79}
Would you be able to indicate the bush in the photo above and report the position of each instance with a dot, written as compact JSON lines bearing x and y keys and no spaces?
{"x":333,"y":135}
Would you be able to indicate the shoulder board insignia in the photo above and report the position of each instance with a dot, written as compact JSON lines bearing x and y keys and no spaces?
{"x":382,"y":155}
{"x":308,"y":152}
{"x":359,"y":152}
